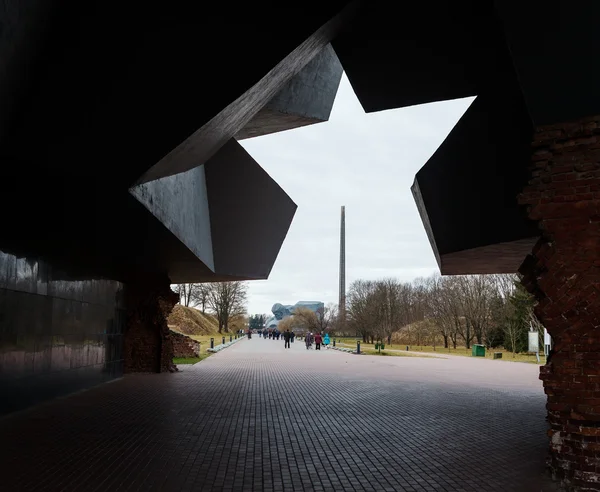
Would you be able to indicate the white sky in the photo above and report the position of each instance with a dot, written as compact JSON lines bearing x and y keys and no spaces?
{"x":366,"y":162}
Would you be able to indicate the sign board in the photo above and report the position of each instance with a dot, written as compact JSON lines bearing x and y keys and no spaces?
{"x":533,"y":341}
{"x":547,"y":342}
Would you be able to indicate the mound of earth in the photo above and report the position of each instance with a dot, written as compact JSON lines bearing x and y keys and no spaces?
{"x":237,"y":323}
{"x":190,"y":321}
{"x":403,"y":334}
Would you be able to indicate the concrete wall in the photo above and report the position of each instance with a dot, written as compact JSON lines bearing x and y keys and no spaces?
{"x":249,"y":214}
{"x":466,"y":191}
{"x":180,"y":202}
{"x":306,"y":99}
{"x":57,"y":335}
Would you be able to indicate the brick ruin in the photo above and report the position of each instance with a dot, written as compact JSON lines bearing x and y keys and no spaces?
{"x":563,"y":272}
{"x":148,"y":340}
{"x":184,"y":346}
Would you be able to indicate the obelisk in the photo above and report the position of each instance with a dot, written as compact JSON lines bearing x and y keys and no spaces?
{"x":342,"y":299}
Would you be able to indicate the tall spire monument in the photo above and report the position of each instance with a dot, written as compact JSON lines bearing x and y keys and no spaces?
{"x":342,"y":300}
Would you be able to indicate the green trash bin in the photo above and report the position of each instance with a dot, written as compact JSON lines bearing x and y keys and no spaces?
{"x":478,"y":350}
{"x":383,"y":346}
{"x":376,"y":346}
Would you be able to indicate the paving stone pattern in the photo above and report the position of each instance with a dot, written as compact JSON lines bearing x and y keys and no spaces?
{"x":258,"y":417}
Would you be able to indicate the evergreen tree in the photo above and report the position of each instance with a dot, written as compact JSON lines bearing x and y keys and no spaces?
{"x":520,"y":305}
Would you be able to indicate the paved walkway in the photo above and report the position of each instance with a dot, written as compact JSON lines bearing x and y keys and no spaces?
{"x":256,"y":417}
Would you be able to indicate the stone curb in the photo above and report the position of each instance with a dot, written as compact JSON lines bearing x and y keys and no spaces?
{"x":344,"y":349}
{"x":222,"y":346}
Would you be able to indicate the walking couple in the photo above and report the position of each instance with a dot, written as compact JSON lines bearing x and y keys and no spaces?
{"x":317,"y":339}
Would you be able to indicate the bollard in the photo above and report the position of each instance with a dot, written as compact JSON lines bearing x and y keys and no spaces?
{"x":212,"y":343}
{"x":334,"y":342}
{"x":358,"y":346}
{"x":223,"y":340}
{"x":231,"y":338}
{"x":407,"y":348}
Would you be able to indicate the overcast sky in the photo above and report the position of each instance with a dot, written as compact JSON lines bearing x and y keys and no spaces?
{"x":366,"y":162}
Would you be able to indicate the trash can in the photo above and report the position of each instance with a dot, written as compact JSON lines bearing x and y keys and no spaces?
{"x":383,"y":346}
{"x":376,"y":346}
{"x":478,"y":350}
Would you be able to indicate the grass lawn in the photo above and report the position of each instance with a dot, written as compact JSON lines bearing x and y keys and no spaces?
{"x":369,"y":349}
{"x":399,"y":353}
{"x":191,"y":360}
{"x":204,"y":345}
{"x":462,"y":351}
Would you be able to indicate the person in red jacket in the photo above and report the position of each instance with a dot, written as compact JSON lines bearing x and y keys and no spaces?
{"x":318,"y":341}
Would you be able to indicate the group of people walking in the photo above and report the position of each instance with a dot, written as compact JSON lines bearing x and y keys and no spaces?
{"x":317,"y":339}
{"x":273,"y":334}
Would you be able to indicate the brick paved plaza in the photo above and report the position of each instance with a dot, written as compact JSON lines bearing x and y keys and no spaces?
{"x":258,"y":417}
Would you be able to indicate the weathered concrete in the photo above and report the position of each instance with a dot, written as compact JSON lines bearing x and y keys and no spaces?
{"x":206,"y":140}
{"x":247,"y":227}
{"x":180,"y":202}
{"x":215,"y":211}
{"x":482,"y":161}
{"x":306,"y":99}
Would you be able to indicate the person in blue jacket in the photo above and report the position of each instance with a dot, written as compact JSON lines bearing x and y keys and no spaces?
{"x":326,"y":340}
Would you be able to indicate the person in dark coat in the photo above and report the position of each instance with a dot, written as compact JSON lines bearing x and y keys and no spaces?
{"x":308,"y":339}
{"x":318,"y":341}
{"x":292,"y":336}
{"x":287,"y":336}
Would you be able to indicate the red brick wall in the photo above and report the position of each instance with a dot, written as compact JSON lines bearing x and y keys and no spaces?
{"x":564,"y":274}
{"x":184,"y":346}
{"x":148,"y":345}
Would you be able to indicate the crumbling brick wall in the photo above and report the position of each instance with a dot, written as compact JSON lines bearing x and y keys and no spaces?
{"x":564,"y":274}
{"x":148,"y":345}
{"x":184,"y":346}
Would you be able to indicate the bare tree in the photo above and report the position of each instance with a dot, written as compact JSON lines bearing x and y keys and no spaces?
{"x":440,"y":307}
{"x":416,"y":297}
{"x":377,"y":309}
{"x":395,"y":305}
{"x":201,"y":297}
{"x":436,"y":309}
{"x":476,"y":292}
{"x":512,"y":329}
{"x":226,"y":300}
{"x":192,"y":295}
{"x":307,"y":319}
{"x":327,"y":317}
{"x":360,"y":308}
{"x":290,"y":323}
{"x":185,"y":293}
{"x":445,"y":309}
